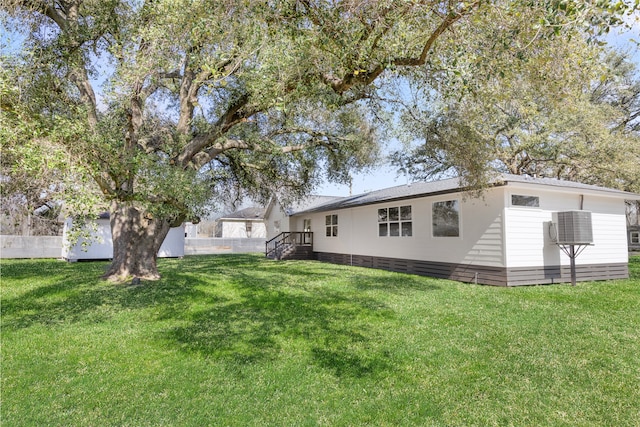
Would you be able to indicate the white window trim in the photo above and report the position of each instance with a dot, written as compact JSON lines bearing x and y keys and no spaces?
{"x":511,"y":205}
{"x":336,"y":225}
{"x":399,"y":221}
{"x":460,"y":219}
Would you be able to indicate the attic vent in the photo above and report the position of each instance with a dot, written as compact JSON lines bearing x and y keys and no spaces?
{"x":574,"y":227}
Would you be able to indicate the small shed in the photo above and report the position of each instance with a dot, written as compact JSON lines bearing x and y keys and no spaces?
{"x":506,"y":237}
{"x":247,"y":223}
{"x":100,"y":246}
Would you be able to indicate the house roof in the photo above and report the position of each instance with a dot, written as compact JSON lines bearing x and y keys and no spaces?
{"x":452,"y":185}
{"x":506,"y":178}
{"x":310,"y":203}
{"x":253,"y":213}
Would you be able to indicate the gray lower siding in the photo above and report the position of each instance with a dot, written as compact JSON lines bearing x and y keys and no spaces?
{"x":485,"y":275}
{"x":562,"y":274}
{"x":461,"y":272}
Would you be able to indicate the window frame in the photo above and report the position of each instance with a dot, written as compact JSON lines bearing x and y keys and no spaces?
{"x":637,"y":237}
{"x":524,"y":196}
{"x":458,"y":205}
{"x":331,"y":225}
{"x":395,"y":223}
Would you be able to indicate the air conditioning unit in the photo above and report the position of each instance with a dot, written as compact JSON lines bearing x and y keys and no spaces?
{"x":573,"y":227}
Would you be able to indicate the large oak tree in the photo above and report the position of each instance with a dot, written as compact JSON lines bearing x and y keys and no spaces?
{"x":198,"y":98}
{"x":570,"y":111}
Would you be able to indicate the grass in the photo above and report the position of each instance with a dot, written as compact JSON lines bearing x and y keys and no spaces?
{"x":238,"y":340}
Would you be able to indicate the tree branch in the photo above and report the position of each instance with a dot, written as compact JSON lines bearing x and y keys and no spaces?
{"x":65,"y":20}
{"x":318,"y":138}
{"x":353,"y":78}
{"x":230,"y":118}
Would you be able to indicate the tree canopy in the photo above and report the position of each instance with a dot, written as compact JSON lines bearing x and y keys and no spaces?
{"x":199,"y":99}
{"x":569,"y":110}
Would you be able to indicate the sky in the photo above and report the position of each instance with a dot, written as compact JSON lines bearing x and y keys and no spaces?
{"x":382,"y":176}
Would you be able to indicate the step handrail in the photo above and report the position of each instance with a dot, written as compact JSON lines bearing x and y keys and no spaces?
{"x":296,"y":238}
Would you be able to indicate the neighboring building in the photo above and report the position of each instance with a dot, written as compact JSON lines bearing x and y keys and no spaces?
{"x":278,"y":217}
{"x":505,"y":237}
{"x":204,"y":229}
{"x":246,"y":223}
{"x":100,"y":246}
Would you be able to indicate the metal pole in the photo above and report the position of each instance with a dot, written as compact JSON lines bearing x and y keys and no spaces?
{"x":572,"y":256}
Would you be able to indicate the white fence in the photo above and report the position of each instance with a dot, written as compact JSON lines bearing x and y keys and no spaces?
{"x":30,"y":246}
{"x":215,"y":245}
{"x":51,"y":246}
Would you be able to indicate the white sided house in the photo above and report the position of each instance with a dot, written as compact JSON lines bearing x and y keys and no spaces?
{"x":514,"y":234}
{"x":247,"y":223}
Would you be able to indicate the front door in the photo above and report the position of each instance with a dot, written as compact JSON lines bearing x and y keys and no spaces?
{"x":306,"y":237}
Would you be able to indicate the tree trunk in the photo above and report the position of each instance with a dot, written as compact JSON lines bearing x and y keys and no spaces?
{"x":137,"y":237}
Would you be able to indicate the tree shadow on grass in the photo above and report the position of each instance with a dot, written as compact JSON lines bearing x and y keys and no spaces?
{"x":74,"y":292}
{"x":298,"y":308}
{"x":71,"y":301}
{"x":394,"y":283}
{"x":335,"y":329}
{"x":237,"y":308}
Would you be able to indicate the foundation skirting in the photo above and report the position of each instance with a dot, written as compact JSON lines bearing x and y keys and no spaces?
{"x":486,"y":275}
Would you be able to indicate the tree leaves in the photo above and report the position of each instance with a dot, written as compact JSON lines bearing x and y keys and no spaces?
{"x":581,"y":127}
{"x":262,"y":97}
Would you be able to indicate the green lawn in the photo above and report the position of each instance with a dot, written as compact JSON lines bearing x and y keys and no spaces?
{"x":239,"y":340}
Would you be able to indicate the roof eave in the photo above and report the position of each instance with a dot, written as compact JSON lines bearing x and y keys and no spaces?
{"x":594,"y":190}
{"x":329,"y":207}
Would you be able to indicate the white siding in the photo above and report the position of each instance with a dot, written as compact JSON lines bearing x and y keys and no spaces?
{"x":480,"y":241}
{"x":492,"y":232}
{"x":528,"y":243}
{"x":609,"y":232}
{"x":173,"y":244}
{"x":101,"y":244}
{"x":527,"y":238}
{"x":276,"y":214}
{"x":259,"y":230}
{"x":238,"y":229}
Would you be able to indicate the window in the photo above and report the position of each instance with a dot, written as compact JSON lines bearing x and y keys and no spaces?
{"x":446,"y":218}
{"x":635,"y":237}
{"x":529,"y":201}
{"x":276,"y":227}
{"x":306,"y":227}
{"x":395,"y":221}
{"x":331,"y":222}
